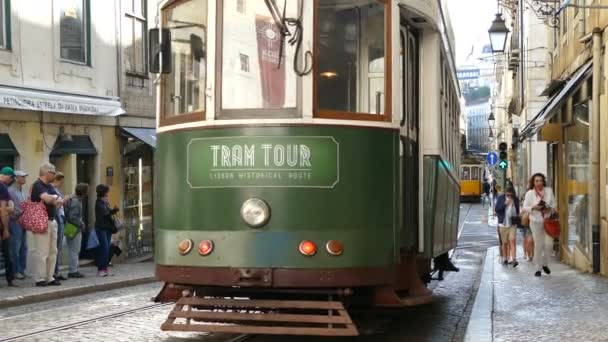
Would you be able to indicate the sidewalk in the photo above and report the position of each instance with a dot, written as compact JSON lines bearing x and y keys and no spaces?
{"x":122,"y":275}
{"x":513,"y":305}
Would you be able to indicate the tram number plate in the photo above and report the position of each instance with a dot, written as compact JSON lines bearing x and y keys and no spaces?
{"x":263,"y":161}
{"x":261,"y":277}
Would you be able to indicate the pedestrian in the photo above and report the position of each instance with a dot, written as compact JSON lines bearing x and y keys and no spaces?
{"x":528,"y":241}
{"x":540,"y":204}
{"x":104,"y":225}
{"x":74,"y":215}
{"x":486,"y":193}
{"x":60,"y":219}
{"x":45,"y":244}
{"x":18,"y":234}
{"x":507,"y":210}
{"x":6,"y":176}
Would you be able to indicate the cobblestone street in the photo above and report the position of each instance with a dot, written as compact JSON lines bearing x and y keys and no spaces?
{"x":129,"y":315}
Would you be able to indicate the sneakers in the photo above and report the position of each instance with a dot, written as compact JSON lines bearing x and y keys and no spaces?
{"x":75,"y":275}
{"x":20,"y":276}
{"x":12,"y":284}
{"x":41,"y":283}
{"x":102,"y":273}
{"x":546,"y":270}
{"x":55,"y":282}
{"x":537,"y":274}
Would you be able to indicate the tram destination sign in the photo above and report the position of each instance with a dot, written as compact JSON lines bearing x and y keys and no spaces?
{"x":263,"y":161}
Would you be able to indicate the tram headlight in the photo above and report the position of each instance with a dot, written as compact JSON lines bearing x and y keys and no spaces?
{"x":255,"y":212}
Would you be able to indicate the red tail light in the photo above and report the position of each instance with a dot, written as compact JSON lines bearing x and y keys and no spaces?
{"x":334,"y":247}
{"x":205,"y":247}
{"x":308,"y":248}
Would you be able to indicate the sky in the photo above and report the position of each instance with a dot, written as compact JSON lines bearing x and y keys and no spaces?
{"x":471,"y":20}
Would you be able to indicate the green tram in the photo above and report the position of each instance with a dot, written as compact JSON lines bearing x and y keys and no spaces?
{"x":307,"y":160}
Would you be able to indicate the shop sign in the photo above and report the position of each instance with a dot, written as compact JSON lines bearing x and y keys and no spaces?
{"x":269,"y":161}
{"x":60,"y":104}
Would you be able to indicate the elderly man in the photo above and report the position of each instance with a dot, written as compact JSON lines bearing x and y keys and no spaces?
{"x":46,"y":243}
{"x":6,"y":177}
{"x":18,"y":237}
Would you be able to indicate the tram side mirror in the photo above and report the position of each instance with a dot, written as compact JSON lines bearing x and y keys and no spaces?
{"x":197,"y":47}
{"x":160,"y":53}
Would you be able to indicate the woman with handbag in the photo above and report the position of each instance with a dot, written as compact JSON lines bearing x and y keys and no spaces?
{"x":540,"y":204}
{"x":104,"y":227}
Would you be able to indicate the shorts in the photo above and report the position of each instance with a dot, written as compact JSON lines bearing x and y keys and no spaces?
{"x":526,"y":231}
{"x":507,"y":233}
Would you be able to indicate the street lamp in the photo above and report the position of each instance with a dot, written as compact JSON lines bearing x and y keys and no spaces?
{"x":498,"y":34}
{"x":491,"y":135}
{"x":491,"y":120}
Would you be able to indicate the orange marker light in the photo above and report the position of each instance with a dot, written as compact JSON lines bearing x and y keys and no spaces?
{"x":185,"y":246}
{"x":205,"y":247}
{"x":308,"y":248}
{"x":334,"y":247}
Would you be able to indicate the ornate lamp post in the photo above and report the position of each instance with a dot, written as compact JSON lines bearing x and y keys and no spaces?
{"x":498,"y":34}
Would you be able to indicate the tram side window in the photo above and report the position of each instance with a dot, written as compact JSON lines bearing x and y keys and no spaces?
{"x":350,"y":69}
{"x":262,"y":85}
{"x":183,"y":90}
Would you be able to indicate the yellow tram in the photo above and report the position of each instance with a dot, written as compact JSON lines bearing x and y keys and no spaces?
{"x":471,"y":180}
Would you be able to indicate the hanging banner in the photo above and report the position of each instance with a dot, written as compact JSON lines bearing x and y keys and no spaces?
{"x":269,"y":50}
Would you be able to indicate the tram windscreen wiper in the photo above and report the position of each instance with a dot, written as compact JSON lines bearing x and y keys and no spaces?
{"x":282,"y":23}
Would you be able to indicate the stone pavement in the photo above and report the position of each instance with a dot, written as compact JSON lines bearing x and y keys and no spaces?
{"x":513,"y":305}
{"x":121,"y":275}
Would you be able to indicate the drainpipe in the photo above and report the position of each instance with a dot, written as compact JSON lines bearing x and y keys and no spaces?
{"x":594,"y":185}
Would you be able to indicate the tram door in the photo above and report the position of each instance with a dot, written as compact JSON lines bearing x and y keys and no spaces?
{"x":409,"y":150}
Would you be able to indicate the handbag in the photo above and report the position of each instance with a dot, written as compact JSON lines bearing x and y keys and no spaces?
{"x":70,"y":230}
{"x":34,"y":217}
{"x":552,"y":227}
{"x":525,"y":219}
{"x":116,"y":224}
{"x":93,"y":240}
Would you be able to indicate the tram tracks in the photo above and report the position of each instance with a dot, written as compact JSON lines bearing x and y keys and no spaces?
{"x":83,"y":322}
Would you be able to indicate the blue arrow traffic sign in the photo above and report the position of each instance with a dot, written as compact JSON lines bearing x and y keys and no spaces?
{"x":492,"y":158}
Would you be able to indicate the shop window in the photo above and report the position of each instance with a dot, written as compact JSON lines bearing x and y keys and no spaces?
{"x":138,"y":197}
{"x":183,"y":90}
{"x":134,"y":36}
{"x":74,"y":31}
{"x":5,"y":24}
{"x":256,"y":73}
{"x":577,"y":145}
{"x":352,"y":69}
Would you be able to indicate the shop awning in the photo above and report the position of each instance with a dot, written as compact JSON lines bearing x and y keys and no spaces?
{"x":78,"y":144}
{"x":147,"y":135}
{"x":6,"y":146}
{"x":550,"y":108}
{"x":50,"y":101}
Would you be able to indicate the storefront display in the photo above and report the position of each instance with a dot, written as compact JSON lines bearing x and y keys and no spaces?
{"x":137,"y":206}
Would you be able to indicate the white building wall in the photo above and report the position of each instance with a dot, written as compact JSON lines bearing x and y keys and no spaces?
{"x":538,"y":157}
{"x":34,"y":60}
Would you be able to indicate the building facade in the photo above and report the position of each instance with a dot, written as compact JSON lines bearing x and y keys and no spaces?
{"x":563,"y":128}
{"x":75,"y":91}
